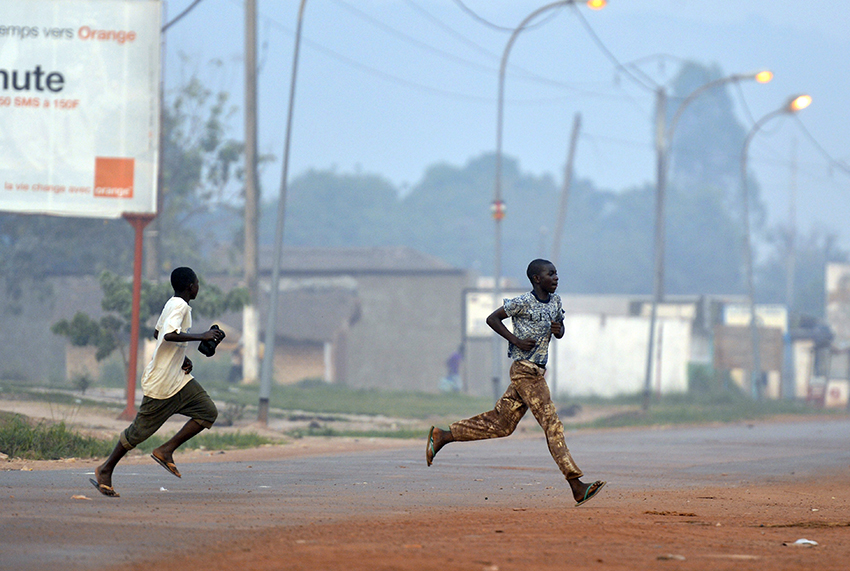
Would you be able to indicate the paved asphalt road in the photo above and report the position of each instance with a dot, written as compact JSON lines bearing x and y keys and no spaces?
{"x":42,"y":528}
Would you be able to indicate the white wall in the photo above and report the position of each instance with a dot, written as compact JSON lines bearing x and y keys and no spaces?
{"x":606,"y":355}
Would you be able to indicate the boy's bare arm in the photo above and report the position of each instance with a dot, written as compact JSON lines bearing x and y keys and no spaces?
{"x":209,"y":335}
{"x":494,"y":320}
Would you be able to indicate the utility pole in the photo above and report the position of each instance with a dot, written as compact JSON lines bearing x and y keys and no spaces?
{"x":787,"y":381}
{"x":661,"y":191}
{"x":559,"y":227}
{"x":250,"y":320}
{"x":791,"y":261}
{"x":565,"y":193}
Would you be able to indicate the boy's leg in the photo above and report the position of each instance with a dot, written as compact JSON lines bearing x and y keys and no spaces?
{"x":194,"y":402}
{"x":496,"y":423}
{"x":151,"y":415}
{"x":164,"y":454}
{"x":103,"y":473}
{"x":532,"y":388}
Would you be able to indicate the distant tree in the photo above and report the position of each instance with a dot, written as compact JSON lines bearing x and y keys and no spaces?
{"x":813,"y":252}
{"x":704,"y":203}
{"x":202,"y":172}
{"x":448,"y":214}
{"x":326,"y":208}
{"x":707,"y":143}
{"x":111,"y":332}
{"x":34,"y":247}
{"x":608,"y":244}
{"x":704,"y":244}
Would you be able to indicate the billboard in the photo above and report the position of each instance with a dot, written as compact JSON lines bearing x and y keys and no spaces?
{"x":79,"y":106}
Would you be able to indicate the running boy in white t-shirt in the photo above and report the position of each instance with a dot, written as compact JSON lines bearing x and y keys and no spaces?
{"x":168,"y":385}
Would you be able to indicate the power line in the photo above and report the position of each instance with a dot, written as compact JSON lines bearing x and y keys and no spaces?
{"x":451,"y":31}
{"x":601,"y":45}
{"x":180,"y":15}
{"x":490,"y":24}
{"x":346,"y":60}
{"x":832,"y":162}
{"x":392,"y":31}
{"x":372,"y":70}
{"x":528,"y":75}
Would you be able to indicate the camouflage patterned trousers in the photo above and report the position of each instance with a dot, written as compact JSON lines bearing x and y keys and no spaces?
{"x":528,"y":390}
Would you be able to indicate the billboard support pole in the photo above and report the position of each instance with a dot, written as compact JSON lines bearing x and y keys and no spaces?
{"x":138,"y":222}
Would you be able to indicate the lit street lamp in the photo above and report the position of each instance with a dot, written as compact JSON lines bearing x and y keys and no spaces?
{"x":663,"y":141}
{"x":793,"y":105}
{"x":498,"y":206}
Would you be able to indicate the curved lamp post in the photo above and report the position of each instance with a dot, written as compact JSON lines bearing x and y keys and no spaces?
{"x":267,"y":370}
{"x":498,"y":206}
{"x":663,"y":140}
{"x":794,"y":104}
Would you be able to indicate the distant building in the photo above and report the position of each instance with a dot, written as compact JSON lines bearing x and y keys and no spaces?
{"x":362,"y":317}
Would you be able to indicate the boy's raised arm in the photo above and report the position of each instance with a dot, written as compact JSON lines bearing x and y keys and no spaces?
{"x":209,"y":335}
{"x":494,"y":320}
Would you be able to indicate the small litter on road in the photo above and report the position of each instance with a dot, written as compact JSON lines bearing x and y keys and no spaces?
{"x":671,"y":557}
{"x":163,"y":489}
{"x":80,"y":497}
{"x":802,"y":542}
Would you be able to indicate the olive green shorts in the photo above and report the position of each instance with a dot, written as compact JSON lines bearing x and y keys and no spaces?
{"x":192,"y":401}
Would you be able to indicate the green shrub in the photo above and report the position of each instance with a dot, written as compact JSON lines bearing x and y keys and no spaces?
{"x":20,"y":438}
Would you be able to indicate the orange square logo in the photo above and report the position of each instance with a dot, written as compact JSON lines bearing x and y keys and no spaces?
{"x":113,"y":177}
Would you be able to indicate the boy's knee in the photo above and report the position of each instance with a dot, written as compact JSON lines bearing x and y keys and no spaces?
{"x":209,"y":416}
{"x":505,"y":428}
{"x":132,"y":436}
{"x":125,"y":442}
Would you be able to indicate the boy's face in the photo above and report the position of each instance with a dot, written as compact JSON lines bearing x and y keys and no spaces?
{"x":193,"y":289}
{"x":548,"y":278}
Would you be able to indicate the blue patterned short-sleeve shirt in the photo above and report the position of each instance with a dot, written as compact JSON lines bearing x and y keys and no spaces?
{"x":532,"y":319}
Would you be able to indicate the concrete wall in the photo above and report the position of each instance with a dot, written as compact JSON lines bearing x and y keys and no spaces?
{"x":409,"y":325}
{"x":599,"y":355}
{"x":30,"y":352}
{"x":297,"y":362}
{"x":606,"y":355}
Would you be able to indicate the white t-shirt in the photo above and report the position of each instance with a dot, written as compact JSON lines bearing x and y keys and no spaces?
{"x":164,"y":375}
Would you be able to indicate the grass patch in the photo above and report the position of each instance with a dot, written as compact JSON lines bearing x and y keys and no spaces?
{"x":320,"y":397}
{"x":23,"y":438}
{"x":698,"y":408}
{"x":31,"y":393}
{"x":20,"y":438}
{"x":210,"y":440}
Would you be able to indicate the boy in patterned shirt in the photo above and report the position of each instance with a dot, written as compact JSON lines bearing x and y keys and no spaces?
{"x":536,"y":317}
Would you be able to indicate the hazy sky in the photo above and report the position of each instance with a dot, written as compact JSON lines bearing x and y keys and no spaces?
{"x":394,"y":86}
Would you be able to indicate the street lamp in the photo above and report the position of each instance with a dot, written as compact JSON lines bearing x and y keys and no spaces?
{"x":794,"y":104}
{"x":266,"y":373}
{"x":663,"y":141}
{"x":498,"y":206}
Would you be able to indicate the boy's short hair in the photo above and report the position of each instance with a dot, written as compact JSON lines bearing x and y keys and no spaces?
{"x":182,"y":278}
{"x":535,"y":267}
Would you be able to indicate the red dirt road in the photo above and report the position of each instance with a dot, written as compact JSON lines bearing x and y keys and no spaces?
{"x":734,"y":496}
{"x":703,"y":529}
